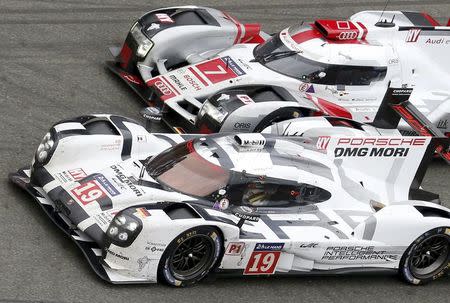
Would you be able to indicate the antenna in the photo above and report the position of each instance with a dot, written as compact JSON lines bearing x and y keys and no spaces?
{"x":384,"y":9}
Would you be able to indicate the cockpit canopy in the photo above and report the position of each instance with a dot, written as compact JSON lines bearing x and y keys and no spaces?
{"x":192,"y":168}
{"x":305,"y":53}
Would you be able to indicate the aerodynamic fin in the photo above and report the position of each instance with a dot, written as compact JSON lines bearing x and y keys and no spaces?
{"x":396,"y":106}
{"x":391,"y":166}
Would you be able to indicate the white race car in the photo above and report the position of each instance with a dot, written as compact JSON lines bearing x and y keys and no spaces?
{"x":343,"y":197}
{"x":210,"y":73}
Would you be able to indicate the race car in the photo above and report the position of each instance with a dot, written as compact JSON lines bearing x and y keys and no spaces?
{"x":342,"y":197}
{"x":209,"y":73}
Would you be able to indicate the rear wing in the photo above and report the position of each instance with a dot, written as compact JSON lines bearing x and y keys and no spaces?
{"x":396,"y":106}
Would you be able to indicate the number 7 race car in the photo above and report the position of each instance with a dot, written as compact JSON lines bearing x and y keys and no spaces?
{"x":343,"y":197}
{"x":210,"y":73}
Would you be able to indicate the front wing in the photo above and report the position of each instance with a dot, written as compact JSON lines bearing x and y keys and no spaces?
{"x":90,"y":249}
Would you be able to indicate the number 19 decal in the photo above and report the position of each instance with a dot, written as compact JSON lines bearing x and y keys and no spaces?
{"x":88,"y":192}
{"x":262,"y":262}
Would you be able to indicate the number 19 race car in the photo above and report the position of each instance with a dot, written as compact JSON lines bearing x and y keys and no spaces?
{"x":343,"y":197}
{"x":209,"y":73}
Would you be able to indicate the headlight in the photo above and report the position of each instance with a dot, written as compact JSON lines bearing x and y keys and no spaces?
{"x":44,"y":148}
{"x":124,"y":228}
{"x":144,"y":44}
{"x":215,"y":113}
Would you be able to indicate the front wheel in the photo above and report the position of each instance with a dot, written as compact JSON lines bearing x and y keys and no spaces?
{"x":190,"y":256}
{"x":427,"y":258}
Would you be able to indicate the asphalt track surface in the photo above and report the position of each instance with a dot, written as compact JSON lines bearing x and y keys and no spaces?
{"x":51,"y":67}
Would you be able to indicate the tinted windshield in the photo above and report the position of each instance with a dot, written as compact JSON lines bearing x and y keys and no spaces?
{"x":184,"y":170}
{"x":310,"y":71}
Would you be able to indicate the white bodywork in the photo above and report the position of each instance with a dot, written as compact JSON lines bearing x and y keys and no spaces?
{"x":344,"y":232}
{"x":415,"y":57}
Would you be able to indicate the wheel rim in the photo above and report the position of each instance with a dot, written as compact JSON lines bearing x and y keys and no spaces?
{"x":430,"y":256}
{"x":191,"y":257}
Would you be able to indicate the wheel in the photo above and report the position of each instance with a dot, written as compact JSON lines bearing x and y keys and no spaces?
{"x":190,"y":256}
{"x":277,"y":116}
{"x":427,"y":258}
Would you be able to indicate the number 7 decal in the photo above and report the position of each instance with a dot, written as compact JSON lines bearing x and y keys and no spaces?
{"x":220,"y":71}
{"x":262,"y":262}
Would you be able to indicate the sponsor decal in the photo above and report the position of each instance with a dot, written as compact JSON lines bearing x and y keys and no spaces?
{"x":142,"y":212}
{"x":307,"y":88}
{"x":413,"y":35}
{"x":104,"y":219}
{"x":322,"y":142}
{"x":131,"y":78}
{"x":177,"y":82}
{"x":222,"y":204}
{"x":245,"y":99}
{"x":77,"y":174}
{"x":442,"y":124}
{"x":117,"y":255}
{"x":303,"y":87}
{"x":242,"y":125}
{"x":382,"y":141}
{"x":166,"y":91}
{"x":126,"y":180}
{"x":389,"y":147}
{"x":440,"y":41}
{"x":220,"y":69}
{"x":371,"y":152}
{"x":192,"y":82}
{"x":101,"y":179}
{"x":358,"y":253}
{"x":88,"y":192}
{"x":235,"y":248}
{"x":269,"y":246}
{"x":164,"y":18}
{"x":264,"y":259}
{"x":252,"y":218}
{"x":154,"y":249}
{"x":113,"y":146}
{"x":244,"y":64}
{"x":348,"y":35}
{"x":393,"y":61}
{"x":308,"y":245}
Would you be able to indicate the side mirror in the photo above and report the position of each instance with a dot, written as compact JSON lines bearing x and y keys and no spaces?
{"x":152,"y":116}
{"x":245,"y":213}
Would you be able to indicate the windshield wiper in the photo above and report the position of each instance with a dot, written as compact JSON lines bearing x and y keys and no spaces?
{"x":275,"y":56}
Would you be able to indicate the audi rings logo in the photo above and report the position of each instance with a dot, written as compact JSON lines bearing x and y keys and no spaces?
{"x":348,"y":35}
{"x":163,"y":88}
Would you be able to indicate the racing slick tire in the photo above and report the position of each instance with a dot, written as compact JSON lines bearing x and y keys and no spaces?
{"x":278,"y":116}
{"x":427,"y":258}
{"x":191,"y":256}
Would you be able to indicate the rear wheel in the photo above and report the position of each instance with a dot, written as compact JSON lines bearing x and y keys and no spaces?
{"x":190,"y":256}
{"x":428,"y":258}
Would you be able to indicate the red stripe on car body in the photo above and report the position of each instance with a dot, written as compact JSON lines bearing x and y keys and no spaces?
{"x":193,"y":71}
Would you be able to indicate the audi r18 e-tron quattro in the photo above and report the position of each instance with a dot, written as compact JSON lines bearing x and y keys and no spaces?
{"x":208,"y":72}
{"x":328,"y":195}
